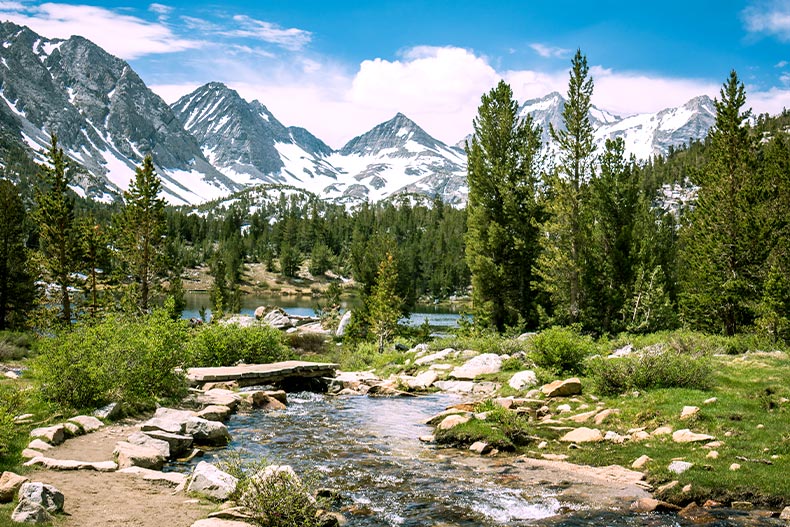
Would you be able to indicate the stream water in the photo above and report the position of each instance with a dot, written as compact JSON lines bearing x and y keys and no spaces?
{"x":368,"y":450}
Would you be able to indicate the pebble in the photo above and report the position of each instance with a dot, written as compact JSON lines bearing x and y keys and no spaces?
{"x":735,"y":466}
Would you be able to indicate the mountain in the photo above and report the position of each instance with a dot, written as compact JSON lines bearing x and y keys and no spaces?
{"x":645,"y":135}
{"x":105,"y":117}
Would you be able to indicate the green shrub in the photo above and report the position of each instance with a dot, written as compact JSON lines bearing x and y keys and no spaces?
{"x":116,"y":359}
{"x":10,"y":404}
{"x":669,"y":366}
{"x":14,"y":345}
{"x":229,"y":344}
{"x":562,"y":350}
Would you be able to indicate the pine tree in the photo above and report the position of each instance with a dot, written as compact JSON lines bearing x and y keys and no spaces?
{"x":502,"y":211}
{"x":93,"y":245}
{"x":724,"y":243}
{"x":383,"y":304}
{"x":55,"y":218}
{"x":561,"y":262}
{"x":16,"y":283}
{"x":141,"y":231}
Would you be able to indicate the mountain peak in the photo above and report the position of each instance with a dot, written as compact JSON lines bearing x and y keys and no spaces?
{"x":398,"y":136}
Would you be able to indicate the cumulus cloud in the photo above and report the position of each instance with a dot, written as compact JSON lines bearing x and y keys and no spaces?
{"x":550,"y":52}
{"x":125,"y":36}
{"x":770,"y":17}
{"x":292,"y":39}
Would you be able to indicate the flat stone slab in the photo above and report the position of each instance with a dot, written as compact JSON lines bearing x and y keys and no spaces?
{"x":248,"y":374}
{"x":71,"y":464}
{"x":171,"y":478}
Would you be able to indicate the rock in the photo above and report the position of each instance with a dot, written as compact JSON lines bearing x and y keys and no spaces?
{"x":679,"y":467}
{"x":163,"y":425}
{"x":139,"y":438}
{"x":480,"y":447}
{"x":72,"y":430}
{"x":640,"y":462}
{"x":87,"y":423}
{"x":170,"y":478}
{"x":30,"y":454}
{"x":215,"y":412}
{"x":42,"y":494}
{"x":41,"y":446}
{"x":696,"y":514}
{"x":662,"y":431}
{"x":218,"y":397}
{"x":713,"y":444}
{"x":423,"y":381}
{"x":712,"y":455}
{"x":278,"y":395}
{"x":9,"y":485}
{"x":427,"y":438}
{"x":564,"y":408}
{"x":583,"y":417}
{"x":711,"y":504}
{"x":686,"y":489}
{"x":219,"y":522}
{"x":130,"y":455}
{"x":455,"y":386}
{"x":386,"y":390}
{"x":688,"y":412}
{"x":260,"y":312}
{"x":479,"y":365}
{"x":554,"y":457}
{"x":566,"y":388}
{"x":710,"y":401}
{"x":643,"y":505}
{"x":54,"y":435}
{"x":451,"y":421}
{"x":639,"y":435}
{"x":70,"y":464}
{"x":614,"y":437}
{"x":543,"y":445}
{"x":523,"y":379}
{"x":111,"y":411}
{"x":331,"y":519}
{"x":603,"y":415}
{"x":209,"y":481}
{"x":277,"y":318}
{"x":785,"y":514}
{"x":178,"y":443}
{"x":735,"y":466}
{"x":205,"y":432}
{"x":622,"y":352}
{"x":438,"y":418}
{"x":583,"y":435}
{"x":343,"y":324}
{"x":11,"y":375}
{"x":23,"y":419}
{"x":196,"y":452}
{"x":742,"y":505}
{"x":28,"y":512}
{"x":687,"y":436}
{"x":667,"y":487}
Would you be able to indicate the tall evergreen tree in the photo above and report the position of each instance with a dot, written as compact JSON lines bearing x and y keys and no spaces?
{"x":383,"y":304}
{"x":93,"y":242}
{"x":561,"y":262}
{"x":723,"y":244}
{"x":141,"y":231}
{"x":503,"y":211}
{"x":16,"y":282}
{"x":54,"y":215}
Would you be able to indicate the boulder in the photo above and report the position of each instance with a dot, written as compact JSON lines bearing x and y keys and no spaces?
{"x":679,"y":467}
{"x":70,"y":464}
{"x":735,"y":466}
{"x":785,"y":514}
{"x":603,"y":415}
{"x":9,"y":486}
{"x":29,"y":512}
{"x":279,"y":395}
{"x":451,"y":421}
{"x":696,"y":514}
{"x":110,"y":411}
{"x":205,"y":432}
{"x":130,"y":455}
{"x":178,"y":443}
{"x":688,"y":412}
{"x":42,"y":494}
{"x":614,"y":437}
{"x":523,"y":379}
{"x":211,"y":482}
{"x":72,"y":430}
{"x":662,"y":431}
{"x":215,"y":412}
{"x":38,"y":444}
{"x":163,"y":425}
{"x":386,"y":390}
{"x":433,"y":357}
{"x":343,"y":324}
{"x":87,"y":423}
{"x":643,"y":505}
{"x":639,"y":435}
{"x":713,"y":454}
{"x":583,"y":417}
{"x":142,"y":439}
{"x":480,"y":447}
{"x":218,"y":397}
{"x":278,"y":319}
{"x":423,"y":381}
{"x":583,"y":435}
{"x":438,"y":418}
{"x":455,"y":386}
{"x":331,"y":519}
{"x":479,"y":365}
{"x":260,"y":312}
{"x":54,"y":435}
{"x":687,"y":436}
{"x":566,"y":388}
{"x":640,"y":462}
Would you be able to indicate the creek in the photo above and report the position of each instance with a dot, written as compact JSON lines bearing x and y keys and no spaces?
{"x":367,"y":449}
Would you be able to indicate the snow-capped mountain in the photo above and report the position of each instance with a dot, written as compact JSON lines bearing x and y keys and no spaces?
{"x":103,"y":114}
{"x":645,"y":135}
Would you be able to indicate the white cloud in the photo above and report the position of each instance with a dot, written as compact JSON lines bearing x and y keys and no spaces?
{"x":10,"y":6}
{"x":124,"y":36}
{"x":770,"y":17}
{"x":292,"y":39}
{"x":160,"y":9}
{"x":550,"y":52}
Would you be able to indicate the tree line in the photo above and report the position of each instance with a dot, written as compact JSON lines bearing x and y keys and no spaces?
{"x":590,"y":241}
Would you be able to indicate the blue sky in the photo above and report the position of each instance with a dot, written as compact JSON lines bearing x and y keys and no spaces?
{"x":340,"y":67}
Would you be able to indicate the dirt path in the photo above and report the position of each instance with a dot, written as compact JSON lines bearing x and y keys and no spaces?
{"x":109,"y":499}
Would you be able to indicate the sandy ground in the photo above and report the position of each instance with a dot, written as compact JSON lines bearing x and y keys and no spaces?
{"x":107,"y":499}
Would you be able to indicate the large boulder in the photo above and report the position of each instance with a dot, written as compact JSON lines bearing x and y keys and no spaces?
{"x":42,"y":494}
{"x":9,"y":486}
{"x":54,"y":435}
{"x":209,"y":481}
{"x":451,"y":421}
{"x":88,"y":423}
{"x":423,"y":381}
{"x":162,"y":425}
{"x":215,"y":412}
{"x":479,"y":365}
{"x":687,"y":436}
{"x":566,"y":388}
{"x":583,"y":435}
{"x":29,"y":512}
{"x":218,"y":397}
{"x":142,"y":439}
{"x":204,"y":432}
{"x":523,"y":379}
{"x":277,"y":318}
{"x":130,"y":455}
{"x":178,"y":443}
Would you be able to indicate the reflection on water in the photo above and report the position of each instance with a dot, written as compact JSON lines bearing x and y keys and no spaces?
{"x":367,"y":450}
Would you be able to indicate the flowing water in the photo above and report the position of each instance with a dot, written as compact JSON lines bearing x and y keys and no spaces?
{"x":368,"y":450}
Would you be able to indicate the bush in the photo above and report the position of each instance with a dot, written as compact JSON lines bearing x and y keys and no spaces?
{"x":561,"y":350}
{"x":10,"y":404}
{"x":230,"y":344}
{"x":668,"y":366}
{"x":116,"y":359}
{"x":14,"y":345}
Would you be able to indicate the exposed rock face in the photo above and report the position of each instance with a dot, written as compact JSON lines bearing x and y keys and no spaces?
{"x":566,"y":388}
{"x":479,"y":365}
{"x":207,"y":480}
